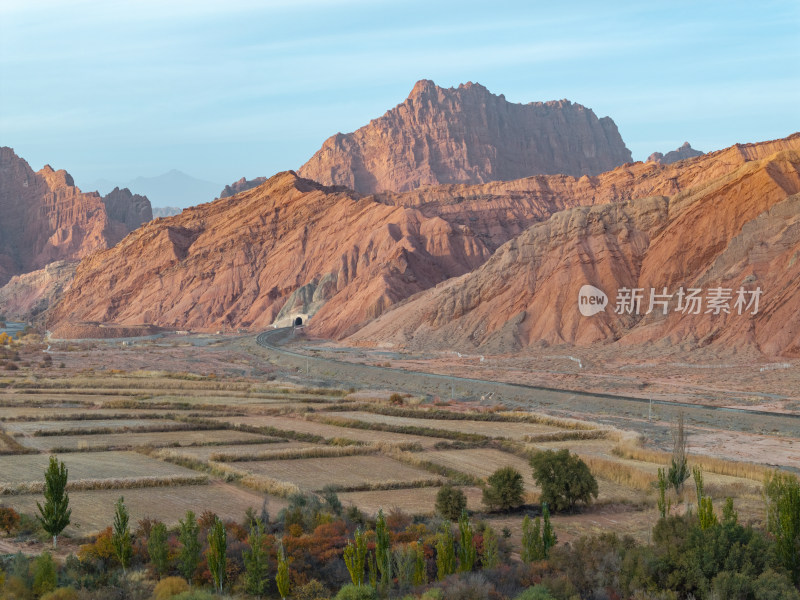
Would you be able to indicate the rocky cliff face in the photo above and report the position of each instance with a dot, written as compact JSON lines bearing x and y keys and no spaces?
{"x":731,"y":221}
{"x":27,"y":297}
{"x":467,"y":135}
{"x":682,"y":153}
{"x":46,"y":218}
{"x":237,"y":261}
{"x":241,"y":185}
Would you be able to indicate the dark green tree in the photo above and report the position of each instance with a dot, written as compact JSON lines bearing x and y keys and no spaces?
{"x":564,"y":478}
{"x":490,"y":557}
{"x":383,"y":554}
{"x":445,"y":552}
{"x":450,"y":501}
{"x":504,"y":489}
{"x":157,"y":548}
{"x":782,"y":493}
{"x":121,"y":535}
{"x":189,"y":555}
{"x":549,"y":537}
{"x":256,"y":561}
{"x":217,"y":554}
{"x":55,"y":514}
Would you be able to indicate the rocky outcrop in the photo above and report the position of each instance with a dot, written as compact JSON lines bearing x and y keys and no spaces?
{"x":731,"y":222}
{"x":241,"y":185}
{"x":27,"y":297}
{"x":237,"y":261}
{"x":45,"y":218}
{"x":467,"y":135}
{"x":682,"y":153}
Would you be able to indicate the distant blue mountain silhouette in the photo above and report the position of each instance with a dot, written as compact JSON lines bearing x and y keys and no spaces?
{"x":172,"y":189}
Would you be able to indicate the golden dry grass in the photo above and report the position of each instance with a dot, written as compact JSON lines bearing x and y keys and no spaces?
{"x":93,"y":511}
{"x":493,"y":429}
{"x":345,"y":472}
{"x":134,"y":440}
{"x":414,"y":501}
{"x":30,"y":468}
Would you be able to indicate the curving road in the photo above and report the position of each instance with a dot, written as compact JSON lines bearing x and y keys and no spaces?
{"x":623,"y":411}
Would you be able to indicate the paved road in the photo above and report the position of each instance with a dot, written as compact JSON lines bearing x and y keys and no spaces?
{"x":623,"y":411}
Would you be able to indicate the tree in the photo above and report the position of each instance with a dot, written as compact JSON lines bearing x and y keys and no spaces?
{"x":705,"y":513}
{"x":382,"y":553}
{"x":445,"y":552}
{"x":9,"y":519}
{"x":564,"y":478}
{"x":121,"y":535}
{"x":355,"y":556}
{"x":420,"y":567}
{"x":217,"y":554}
{"x":782,"y":494}
{"x":549,"y":537}
{"x":450,"y":502}
{"x":189,"y":555}
{"x":490,"y":557}
{"x":255,"y":561}
{"x":45,"y":578}
{"x":504,"y":489}
{"x":467,"y":554}
{"x":664,"y":505}
{"x":157,"y":548}
{"x":679,"y":465}
{"x":532,"y":548}
{"x":282,"y":576}
{"x":55,"y":514}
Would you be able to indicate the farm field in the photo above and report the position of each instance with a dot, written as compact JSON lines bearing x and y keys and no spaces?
{"x":414,"y":501}
{"x":94,"y":510}
{"x":134,"y":440}
{"x":495,"y":429}
{"x":272,"y":438}
{"x":29,"y":468}
{"x":330,"y":431}
{"x":26,"y":428}
{"x":347,"y":472}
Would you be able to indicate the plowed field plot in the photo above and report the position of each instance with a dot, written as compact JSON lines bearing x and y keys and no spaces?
{"x":29,"y":468}
{"x":481,"y":462}
{"x":93,"y":511}
{"x":414,"y":501}
{"x":205,"y":452}
{"x":38,"y":427}
{"x":501,"y":429}
{"x":331,"y":431}
{"x":312,"y":474}
{"x":158,"y":439}
{"x":87,"y":413}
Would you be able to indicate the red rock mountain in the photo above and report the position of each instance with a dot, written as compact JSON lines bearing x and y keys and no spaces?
{"x":241,"y":185}
{"x":684,"y":152}
{"x":467,"y":135}
{"x":46,"y":218}
{"x":729,"y":220}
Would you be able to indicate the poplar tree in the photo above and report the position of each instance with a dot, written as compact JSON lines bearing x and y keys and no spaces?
{"x":217,"y":554}
{"x":189,"y":555}
{"x":255,"y":561}
{"x":121,"y":535}
{"x":55,"y":514}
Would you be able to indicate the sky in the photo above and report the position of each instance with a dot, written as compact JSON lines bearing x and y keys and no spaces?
{"x":221,"y":90}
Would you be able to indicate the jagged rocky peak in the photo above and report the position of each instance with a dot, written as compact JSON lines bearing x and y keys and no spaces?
{"x":467,"y":135}
{"x":683,"y":152}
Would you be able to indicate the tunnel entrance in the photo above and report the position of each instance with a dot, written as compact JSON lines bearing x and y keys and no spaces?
{"x":298,"y":321}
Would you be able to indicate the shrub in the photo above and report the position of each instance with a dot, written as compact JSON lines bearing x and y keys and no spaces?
{"x":356,"y":592}
{"x":504,"y":489}
{"x":313,"y":590}
{"x":564,"y":478}
{"x":471,"y":586}
{"x":63,"y":593}
{"x":537,"y":592}
{"x":45,"y":578}
{"x":169,"y":587}
{"x":450,"y":502}
{"x":195,"y":595}
{"x":9,"y":519}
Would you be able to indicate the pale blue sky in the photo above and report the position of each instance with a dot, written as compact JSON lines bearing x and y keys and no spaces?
{"x":244,"y":87}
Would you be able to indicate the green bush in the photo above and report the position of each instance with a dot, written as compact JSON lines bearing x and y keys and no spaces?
{"x":504,"y":489}
{"x":537,"y":592}
{"x":356,"y":592}
{"x":45,"y":578}
{"x":564,"y":478}
{"x":61,"y":594}
{"x":450,"y":502}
